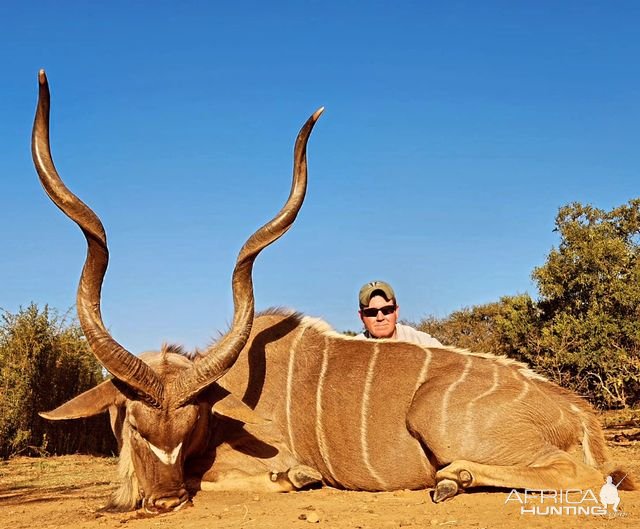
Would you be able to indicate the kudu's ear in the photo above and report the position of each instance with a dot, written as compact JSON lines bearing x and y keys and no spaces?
{"x":92,"y":402}
{"x":229,"y":406}
{"x":232,"y":407}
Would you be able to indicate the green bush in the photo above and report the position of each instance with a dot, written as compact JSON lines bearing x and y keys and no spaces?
{"x":590,"y":302}
{"x":583,"y":331}
{"x":44,"y":361}
{"x":502,"y":328}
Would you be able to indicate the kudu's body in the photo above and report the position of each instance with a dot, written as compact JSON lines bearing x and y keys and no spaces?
{"x":385,"y":415}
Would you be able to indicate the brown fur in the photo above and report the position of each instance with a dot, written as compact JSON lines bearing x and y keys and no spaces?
{"x":357,"y":411}
{"x":354,"y":414}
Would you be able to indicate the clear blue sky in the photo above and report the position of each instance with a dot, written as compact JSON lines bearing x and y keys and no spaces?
{"x":453,"y":131}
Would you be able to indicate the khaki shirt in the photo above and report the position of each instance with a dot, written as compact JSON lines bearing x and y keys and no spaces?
{"x":405,"y":333}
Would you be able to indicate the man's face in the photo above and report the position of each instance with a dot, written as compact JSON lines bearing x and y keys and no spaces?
{"x":380,"y":325}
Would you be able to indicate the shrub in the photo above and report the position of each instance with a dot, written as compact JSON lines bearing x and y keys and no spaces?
{"x":45,"y":361}
{"x":583,"y":332}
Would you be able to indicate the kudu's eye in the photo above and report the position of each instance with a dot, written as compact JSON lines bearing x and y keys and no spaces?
{"x":133,"y":425}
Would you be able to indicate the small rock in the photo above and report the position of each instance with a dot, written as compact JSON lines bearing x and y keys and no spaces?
{"x":313,"y":517}
{"x":433,"y":521}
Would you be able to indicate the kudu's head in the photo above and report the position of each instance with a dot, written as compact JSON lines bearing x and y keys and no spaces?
{"x":155,"y":402}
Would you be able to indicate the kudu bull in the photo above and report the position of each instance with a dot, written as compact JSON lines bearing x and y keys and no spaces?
{"x":355,"y":414}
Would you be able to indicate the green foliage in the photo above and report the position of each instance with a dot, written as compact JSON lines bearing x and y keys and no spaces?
{"x":583,"y":332}
{"x":503,"y":327}
{"x":43,"y":363}
{"x":590,"y":303}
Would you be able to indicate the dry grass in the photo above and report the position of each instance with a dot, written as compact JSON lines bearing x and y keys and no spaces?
{"x":25,"y":480}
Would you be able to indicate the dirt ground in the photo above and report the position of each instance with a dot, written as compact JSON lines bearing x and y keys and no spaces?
{"x":67,"y":492}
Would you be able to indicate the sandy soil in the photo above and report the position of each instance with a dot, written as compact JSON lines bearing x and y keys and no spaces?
{"x":68,"y":491}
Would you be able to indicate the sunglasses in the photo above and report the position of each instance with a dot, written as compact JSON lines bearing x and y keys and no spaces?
{"x":372,"y":312}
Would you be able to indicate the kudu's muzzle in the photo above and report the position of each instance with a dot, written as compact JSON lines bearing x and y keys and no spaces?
{"x":165,"y":502}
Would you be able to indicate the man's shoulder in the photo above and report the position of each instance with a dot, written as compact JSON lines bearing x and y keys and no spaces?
{"x":407,"y":333}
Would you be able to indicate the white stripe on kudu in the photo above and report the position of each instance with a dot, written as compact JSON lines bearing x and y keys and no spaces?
{"x":493,"y":387}
{"x":449,"y":391}
{"x":422,"y":377}
{"x":524,"y":391}
{"x":292,"y":357}
{"x":364,"y":415}
{"x":468,"y":414}
{"x":320,"y":436}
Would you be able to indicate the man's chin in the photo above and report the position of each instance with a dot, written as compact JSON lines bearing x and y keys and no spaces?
{"x":386,"y":333}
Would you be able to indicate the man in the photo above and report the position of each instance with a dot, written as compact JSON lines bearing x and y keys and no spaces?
{"x":379,"y":313}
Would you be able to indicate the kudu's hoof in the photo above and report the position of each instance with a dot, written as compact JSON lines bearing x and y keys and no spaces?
{"x":302,"y":476}
{"x":465,"y":478}
{"x":445,"y":489}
